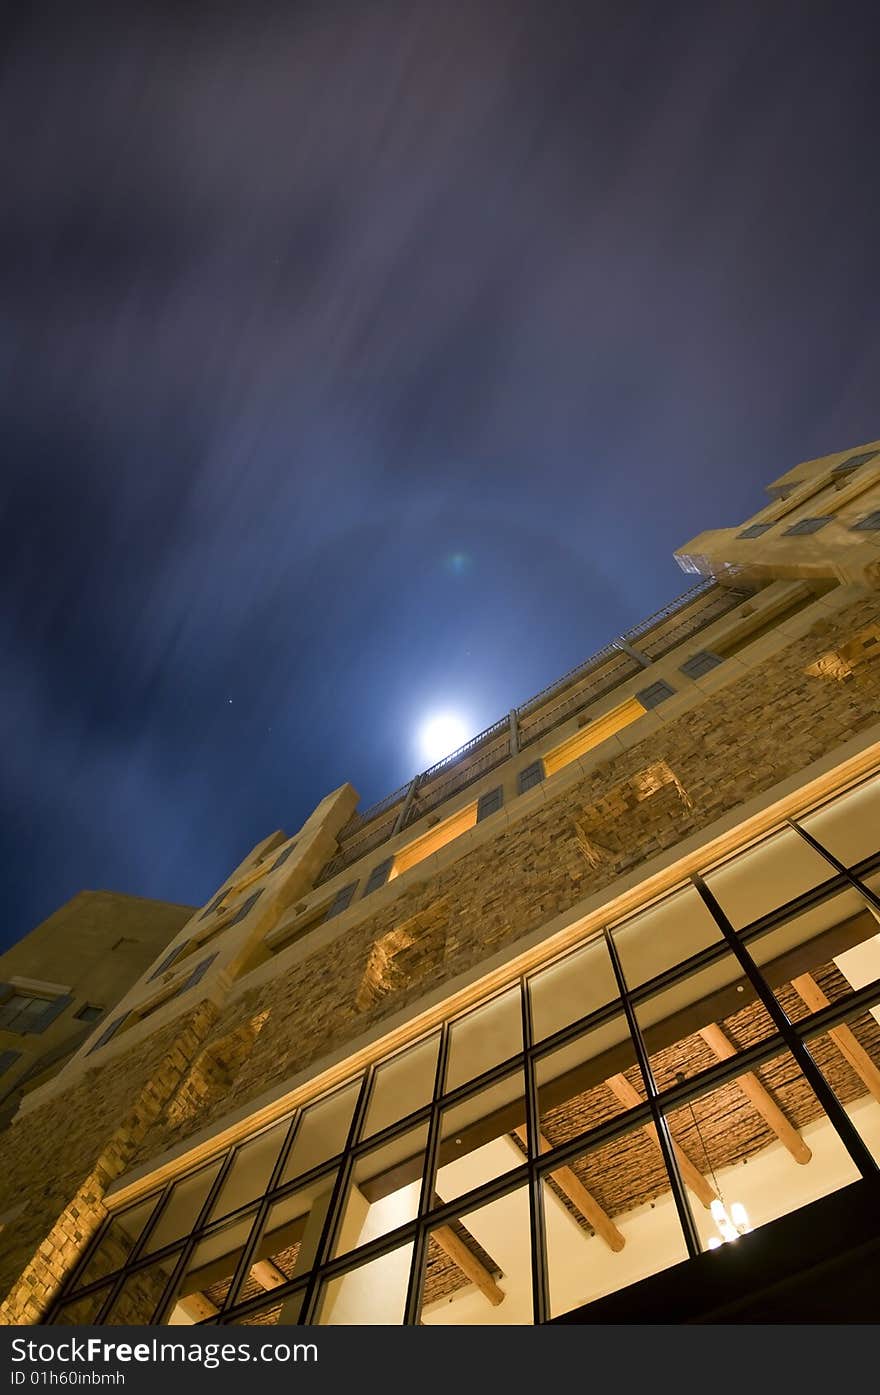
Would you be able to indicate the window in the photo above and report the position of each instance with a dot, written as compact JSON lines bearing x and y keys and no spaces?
{"x":700,"y":663}
{"x":168,"y":960}
{"x":108,"y":1032}
{"x":869,"y":524}
{"x":89,"y":1013}
{"x":592,"y":734}
{"x":490,"y":803}
{"x":212,"y":906}
{"x":847,"y":466}
{"x":7,"y":1059}
{"x":244,"y":909}
{"x":655,"y":693}
{"x":531,"y":776}
{"x":378,"y":877}
{"x":436,"y":838}
{"x":282,"y":858}
{"x":26,"y":1012}
{"x":755,"y":530}
{"x":807,"y":525}
{"x":342,"y":901}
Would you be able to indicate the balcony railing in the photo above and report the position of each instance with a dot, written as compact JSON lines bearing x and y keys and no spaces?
{"x":575,"y":690}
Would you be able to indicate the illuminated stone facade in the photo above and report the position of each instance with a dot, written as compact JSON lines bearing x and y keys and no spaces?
{"x":255,"y":1150}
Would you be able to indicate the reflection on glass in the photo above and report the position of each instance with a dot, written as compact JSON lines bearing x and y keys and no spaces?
{"x":484,"y":1038}
{"x":322,"y":1132}
{"x":610,"y":1220}
{"x":292,"y":1231}
{"x":849,"y":1058}
{"x":478,"y":1268}
{"x":119,"y":1240}
{"x":767,"y":876}
{"x":664,"y":935}
{"x":478,"y":1139}
{"x":404,"y":1084}
{"x":572,"y":988}
{"x":373,"y":1295}
{"x":180,"y":1212}
{"x":579,"y":1084}
{"x":251,"y":1169}
{"x":383,"y":1192}
{"x":140,"y":1296}
{"x":765,"y":1144}
{"x":82,"y":1312}
{"x":201,"y":1289}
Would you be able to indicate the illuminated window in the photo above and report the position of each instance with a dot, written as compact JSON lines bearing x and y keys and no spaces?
{"x":435,"y":839}
{"x":593,"y":734}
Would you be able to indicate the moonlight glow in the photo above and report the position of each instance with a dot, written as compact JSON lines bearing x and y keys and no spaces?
{"x":441,"y":735}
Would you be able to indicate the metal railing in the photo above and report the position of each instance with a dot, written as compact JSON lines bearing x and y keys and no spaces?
{"x":610,"y":666}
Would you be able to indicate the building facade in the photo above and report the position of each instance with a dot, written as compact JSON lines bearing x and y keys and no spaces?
{"x":583,"y":1024}
{"x":63,"y":978}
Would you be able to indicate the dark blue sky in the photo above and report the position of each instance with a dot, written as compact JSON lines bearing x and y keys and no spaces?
{"x":300,"y":301}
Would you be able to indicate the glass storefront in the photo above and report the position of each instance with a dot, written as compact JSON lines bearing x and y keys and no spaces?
{"x":690,"y":1073}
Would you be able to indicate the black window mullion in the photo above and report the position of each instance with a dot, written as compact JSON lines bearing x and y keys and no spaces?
{"x":664,"y":1137}
{"x":415,"y":1286}
{"x":193,"y":1239}
{"x":849,"y":1135}
{"x":242,"y":1269}
{"x":870,"y":896}
{"x":334,"y":1209}
{"x":537,"y":1221}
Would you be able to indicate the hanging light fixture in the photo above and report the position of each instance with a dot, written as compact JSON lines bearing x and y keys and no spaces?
{"x":730,"y":1225}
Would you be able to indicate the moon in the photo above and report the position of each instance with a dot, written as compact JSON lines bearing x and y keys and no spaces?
{"x":440,"y":735}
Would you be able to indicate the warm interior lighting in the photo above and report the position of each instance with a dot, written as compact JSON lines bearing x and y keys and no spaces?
{"x":730,"y":1226}
{"x":593,"y":734}
{"x":435,"y":839}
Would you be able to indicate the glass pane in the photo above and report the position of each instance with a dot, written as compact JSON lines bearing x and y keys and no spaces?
{"x":292,"y":1231}
{"x":705,"y":1017}
{"x":204,"y":1284}
{"x":610,"y":1220}
{"x":664,"y":935}
{"x":374,"y":1295}
{"x":141,"y":1294}
{"x":772,"y":1121}
{"x":405,"y":1084}
{"x":484,"y":1039}
{"x":849,"y":1058}
{"x":383,"y":1192}
{"x":286,"y":1310}
{"x":477,"y":1139}
{"x":82,"y":1311}
{"x":834,"y":947}
{"x":114,"y":1249}
{"x":181,"y":1210}
{"x":322,"y":1132}
{"x":574,"y":1094}
{"x":574,"y":987}
{"x":767,"y":876}
{"x":850,"y":827}
{"x":478,"y":1269}
{"x":251,"y":1169}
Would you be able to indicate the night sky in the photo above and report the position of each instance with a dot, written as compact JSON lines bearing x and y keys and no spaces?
{"x":363,"y":360}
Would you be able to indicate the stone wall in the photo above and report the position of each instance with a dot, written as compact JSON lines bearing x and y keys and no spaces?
{"x":744,"y":738}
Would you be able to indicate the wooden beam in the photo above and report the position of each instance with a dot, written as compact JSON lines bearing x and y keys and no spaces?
{"x":844,"y":1037}
{"x":267,"y":1274}
{"x":568,"y":1182}
{"x":757,"y":1095}
{"x":197,"y":1307}
{"x":468,"y":1263}
{"x":693,"y":1177}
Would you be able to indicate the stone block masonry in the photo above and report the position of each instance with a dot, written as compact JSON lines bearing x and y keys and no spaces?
{"x":743,"y":739}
